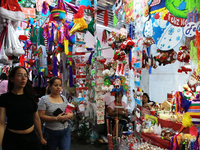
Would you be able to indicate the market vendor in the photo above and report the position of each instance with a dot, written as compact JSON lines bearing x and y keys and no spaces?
{"x":146,"y":104}
{"x":117,"y":108}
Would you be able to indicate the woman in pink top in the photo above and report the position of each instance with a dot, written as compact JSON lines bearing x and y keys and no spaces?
{"x":3,"y":83}
{"x":117,"y":108}
{"x":146,"y":106}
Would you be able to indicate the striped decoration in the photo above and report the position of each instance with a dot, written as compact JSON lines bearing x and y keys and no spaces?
{"x":194,"y":112}
{"x":70,"y":54}
{"x":46,"y":42}
{"x":29,"y":35}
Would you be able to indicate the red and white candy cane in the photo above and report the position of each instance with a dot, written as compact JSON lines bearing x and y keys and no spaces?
{"x":29,"y":35}
{"x":46,"y":42}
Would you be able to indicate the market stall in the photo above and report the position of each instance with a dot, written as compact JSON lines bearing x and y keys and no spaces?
{"x":147,"y":47}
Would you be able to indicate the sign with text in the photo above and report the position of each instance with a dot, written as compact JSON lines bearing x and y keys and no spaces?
{"x":179,"y":22}
{"x":190,"y":29}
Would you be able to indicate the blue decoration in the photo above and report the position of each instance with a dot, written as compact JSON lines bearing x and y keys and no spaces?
{"x":149,"y":2}
{"x":117,"y":90}
{"x":80,"y":99}
{"x":68,"y":1}
{"x":139,"y":102}
{"x":86,"y":3}
{"x":182,"y":6}
{"x":62,"y":16}
{"x":137,"y":48}
{"x":31,"y":21}
{"x":48,"y":13}
{"x":136,"y":65}
{"x":137,"y":83}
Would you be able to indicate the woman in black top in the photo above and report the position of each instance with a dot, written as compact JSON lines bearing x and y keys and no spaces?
{"x":20,"y":106}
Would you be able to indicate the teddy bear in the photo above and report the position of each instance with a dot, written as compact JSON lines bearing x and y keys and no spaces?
{"x":166,"y":57}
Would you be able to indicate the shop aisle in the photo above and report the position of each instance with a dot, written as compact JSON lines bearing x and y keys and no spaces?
{"x":77,"y":146}
{"x":95,"y":146}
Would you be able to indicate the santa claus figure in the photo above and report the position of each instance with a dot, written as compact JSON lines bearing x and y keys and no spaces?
{"x":117,"y":83}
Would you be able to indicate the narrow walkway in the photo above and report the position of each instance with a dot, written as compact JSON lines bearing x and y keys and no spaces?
{"x":95,"y":146}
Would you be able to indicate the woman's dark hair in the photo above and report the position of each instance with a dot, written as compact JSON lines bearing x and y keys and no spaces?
{"x":118,"y":94}
{"x":145,"y":94}
{"x":3,"y":76}
{"x":148,"y":99}
{"x":51,"y":82}
{"x":28,"y":89}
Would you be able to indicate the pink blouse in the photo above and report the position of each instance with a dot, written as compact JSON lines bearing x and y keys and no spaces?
{"x":3,"y":86}
{"x":145,"y":110}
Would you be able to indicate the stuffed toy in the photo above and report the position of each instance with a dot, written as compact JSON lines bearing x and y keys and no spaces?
{"x":148,"y":41}
{"x":145,"y":60}
{"x":184,"y":57}
{"x":111,"y":38}
{"x":108,"y":72}
{"x":121,"y":35}
{"x":119,"y":55}
{"x":148,"y":62}
{"x":117,"y":83}
{"x":166,"y":57}
{"x":192,"y":82}
{"x":183,"y":54}
{"x":127,"y":45}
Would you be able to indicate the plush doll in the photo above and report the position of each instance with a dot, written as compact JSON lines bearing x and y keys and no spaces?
{"x":183,"y":54}
{"x":184,"y":57}
{"x":111,"y":39}
{"x":148,"y":41}
{"x":127,"y":45}
{"x":192,"y":82}
{"x":119,"y":55}
{"x":166,"y":57}
{"x":121,"y":35}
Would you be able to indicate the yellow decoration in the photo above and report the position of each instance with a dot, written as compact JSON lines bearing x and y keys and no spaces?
{"x":186,"y":122}
{"x":79,"y":24}
{"x":151,"y":117}
{"x":198,"y":68}
{"x":75,"y":28}
{"x":81,"y":21}
{"x":66,"y":43}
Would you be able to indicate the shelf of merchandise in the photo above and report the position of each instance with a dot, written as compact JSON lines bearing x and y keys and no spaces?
{"x":155,"y":140}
